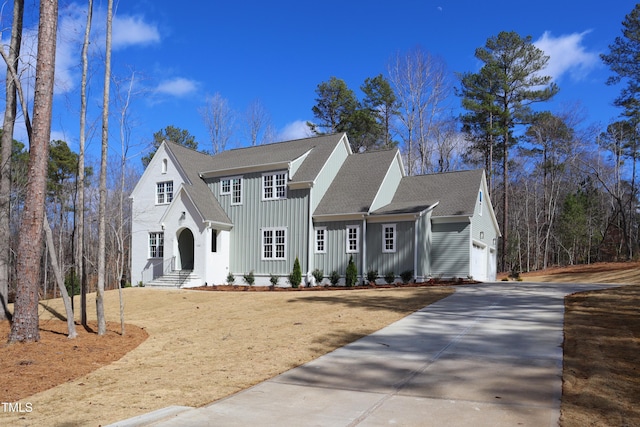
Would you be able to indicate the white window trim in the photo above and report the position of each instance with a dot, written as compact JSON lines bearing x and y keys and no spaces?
{"x":222,"y":191}
{"x":273,"y":244}
{"x":357,"y":249}
{"x":231,"y":180}
{"x":324,"y":241}
{"x":164,"y":193}
{"x":384,"y":238}
{"x":274,"y":186}
{"x":158,"y":234}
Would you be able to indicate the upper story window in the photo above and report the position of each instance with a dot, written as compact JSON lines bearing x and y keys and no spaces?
{"x":389,"y":238}
{"x":274,"y":186}
{"x":164,"y":192}
{"x":232,"y":187}
{"x":321,"y":240}
{"x":480,"y":202}
{"x":164,"y":165}
{"x":353,"y":239}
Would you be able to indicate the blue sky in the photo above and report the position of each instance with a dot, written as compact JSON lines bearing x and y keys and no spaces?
{"x":277,"y":52}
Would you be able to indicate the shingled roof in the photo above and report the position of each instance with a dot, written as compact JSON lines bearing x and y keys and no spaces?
{"x":356,"y":184}
{"x":192,"y":162}
{"x":455,"y":192}
{"x":318,"y":149}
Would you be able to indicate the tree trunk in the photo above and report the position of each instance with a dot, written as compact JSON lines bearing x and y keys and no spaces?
{"x":25,"y":319}
{"x":102,"y":235}
{"x":5,"y":155}
{"x":71,"y":326}
{"x":79,"y":255}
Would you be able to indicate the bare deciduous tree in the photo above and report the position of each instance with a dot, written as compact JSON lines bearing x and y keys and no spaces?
{"x":219,"y":120}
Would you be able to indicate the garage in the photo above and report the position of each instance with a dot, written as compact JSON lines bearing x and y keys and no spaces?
{"x":479,"y":261}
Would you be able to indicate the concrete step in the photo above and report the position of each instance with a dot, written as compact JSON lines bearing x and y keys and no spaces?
{"x":175,"y":279}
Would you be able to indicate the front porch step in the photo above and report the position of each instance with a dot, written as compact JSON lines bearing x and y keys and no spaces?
{"x":175,"y":279}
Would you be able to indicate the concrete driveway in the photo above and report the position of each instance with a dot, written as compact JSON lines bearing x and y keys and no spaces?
{"x":489,"y":355}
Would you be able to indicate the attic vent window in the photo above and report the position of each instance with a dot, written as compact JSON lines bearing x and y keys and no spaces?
{"x":164,"y":165}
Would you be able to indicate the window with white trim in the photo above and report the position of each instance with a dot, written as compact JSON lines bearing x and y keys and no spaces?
{"x":274,"y":186}
{"x":156,"y":245}
{"x":321,"y":240}
{"x":274,"y":243}
{"x":236,"y":191}
{"x":164,"y":192}
{"x":353,"y":239}
{"x":225,"y":186}
{"x":388,"y":238}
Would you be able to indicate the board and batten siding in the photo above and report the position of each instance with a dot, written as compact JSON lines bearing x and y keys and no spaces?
{"x":397,"y":262}
{"x":450,"y":249}
{"x":336,"y":257}
{"x":255,"y":214}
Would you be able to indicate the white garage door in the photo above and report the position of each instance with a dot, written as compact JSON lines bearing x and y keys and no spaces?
{"x":479,"y":262}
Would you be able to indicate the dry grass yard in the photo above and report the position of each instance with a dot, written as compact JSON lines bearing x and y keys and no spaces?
{"x":201,"y":346}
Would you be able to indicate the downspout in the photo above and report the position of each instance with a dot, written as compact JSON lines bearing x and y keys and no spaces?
{"x":364,"y":244}
{"x":311,"y":237}
{"x":415,"y":248}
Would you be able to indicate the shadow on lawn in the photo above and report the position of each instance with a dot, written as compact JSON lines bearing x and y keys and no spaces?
{"x":379,"y":301}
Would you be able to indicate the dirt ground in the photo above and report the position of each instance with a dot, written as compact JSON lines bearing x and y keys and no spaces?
{"x":199,"y":347}
{"x":185,"y":347}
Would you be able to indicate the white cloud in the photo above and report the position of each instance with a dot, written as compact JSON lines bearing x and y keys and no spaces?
{"x":178,"y":86}
{"x":567,"y":55}
{"x":132,"y":31}
{"x":295,"y":130}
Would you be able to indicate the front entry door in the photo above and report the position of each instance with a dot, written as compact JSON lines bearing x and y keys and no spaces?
{"x":185,"y":248}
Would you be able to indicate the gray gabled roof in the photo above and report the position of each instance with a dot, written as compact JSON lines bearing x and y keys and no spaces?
{"x":455,"y":192}
{"x":317,"y":150}
{"x":192,"y":162}
{"x":357,"y":183}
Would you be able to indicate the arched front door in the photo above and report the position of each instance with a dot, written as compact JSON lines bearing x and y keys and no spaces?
{"x":185,"y":248}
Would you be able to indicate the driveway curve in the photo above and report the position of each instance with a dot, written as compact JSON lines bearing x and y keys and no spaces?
{"x":488,"y":355}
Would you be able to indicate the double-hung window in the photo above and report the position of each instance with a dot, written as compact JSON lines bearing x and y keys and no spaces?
{"x":156,"y":245}
{"x":389,"y":238}
{"x":353,"y":239}
{"x":321,"y":240}
{"x":232,"y":187}
{"x":274,"y":186}
{"x":274,"y":243}
{"x":164,"y":192}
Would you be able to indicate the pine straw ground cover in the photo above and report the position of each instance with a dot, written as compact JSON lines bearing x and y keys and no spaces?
{"x":201,"y":346}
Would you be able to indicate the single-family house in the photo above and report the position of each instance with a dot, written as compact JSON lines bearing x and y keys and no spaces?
{"x":196,"y":217}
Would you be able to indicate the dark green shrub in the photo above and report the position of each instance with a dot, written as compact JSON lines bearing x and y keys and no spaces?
{"x":249,"y":278}
{"x":372,"y":275}
{"x":231,"y":278}
{"x":390,"y":277}
{"x":274,"y":279}
{"x":351,"y":277}
{"x":296,"y":275}
{"x":334,"y":278}
{"x":406,"y":276}
{"x":318,"y":275}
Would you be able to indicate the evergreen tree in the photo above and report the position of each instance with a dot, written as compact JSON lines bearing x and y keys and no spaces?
{"x":173,"y":134}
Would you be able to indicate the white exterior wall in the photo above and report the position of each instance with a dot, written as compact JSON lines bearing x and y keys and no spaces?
{"x":146,"y":216}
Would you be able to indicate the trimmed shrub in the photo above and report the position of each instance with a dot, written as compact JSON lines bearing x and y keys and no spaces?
{"x":406,"y":276}
{"x":318,"y":275}
{"x":296,"y":275}
{"x":334,"y":278}
{"x":249,"y":279}
{"x":351,"y":276}
{"x":274,"y":279}
{"x":231,"y":278}
{"x":390,"y":277}
{"x":372,"y":275}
